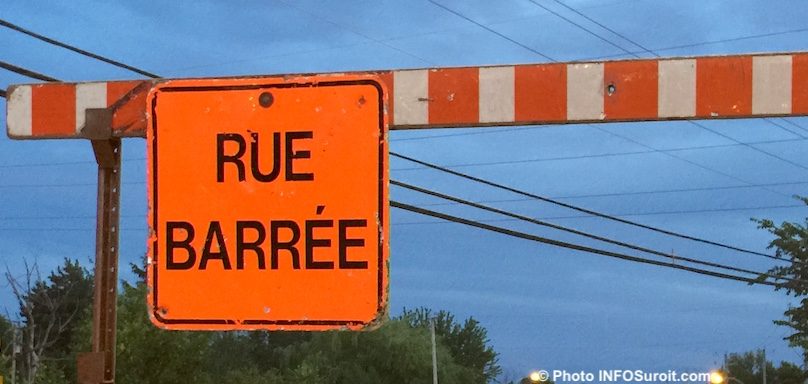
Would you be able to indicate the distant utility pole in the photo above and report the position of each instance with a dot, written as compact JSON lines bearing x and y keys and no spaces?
{"x":763,"y":357}
{"x":14,"y":348}
{"x":435,"y":353}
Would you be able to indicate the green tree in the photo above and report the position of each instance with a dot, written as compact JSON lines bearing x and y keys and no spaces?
{"x":50,"y":310}
{"x":788,"y":373}
{"x":748,"y":368}
{"x":468,"y":342}
{"x":7,"y":333}
{"x":791,"y":244}
{"x":147,"y":354}
{"x":399,"y":351}
{"x":394,"y":353}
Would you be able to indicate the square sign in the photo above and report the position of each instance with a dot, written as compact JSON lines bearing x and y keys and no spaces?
{"x":268,"y":203}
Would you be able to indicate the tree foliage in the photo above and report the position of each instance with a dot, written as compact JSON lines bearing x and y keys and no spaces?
{"x":468,"y":342}
{"x":49,"y":310}
{"x":791,"y":244}
{"x":397,"y":352}
{"x":56,"y":323}
{"x":748,"y":368}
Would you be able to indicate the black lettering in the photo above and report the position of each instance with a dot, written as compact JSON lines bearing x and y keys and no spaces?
{"x":172,"y":244}
{"x":345,"y":242}
{"x":255,"y":246}
{"x":291,"y":155}
{"x":215,"y":229}
{"x":221,"y":158}
{"x":312,"y":243}
{"x":276,"y":245}
{"x":276,"y":158}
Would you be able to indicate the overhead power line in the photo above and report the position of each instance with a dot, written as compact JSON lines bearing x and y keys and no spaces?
{"x":579,"y":13}
{"x":583,"y":210}
{"x":61,"y":163}
{"x":627,"y":214}
{"x":795,"y":125}
{"x":651,"y":52}
{"x":798,"y":134}
{"x":489,"y":29}
{"x":562,"y":244}
{"x":651,"y":192}
{"x":581,"y":233}
{"x":560,"y":16}
{"x":772,"y":155}
{"x":354,"y":31}
{"x":25,"y":72}
{"x":684,"y":159}
{"x":80,"y":51}
{"x":608,"y":154}
{"x":703,"y":43}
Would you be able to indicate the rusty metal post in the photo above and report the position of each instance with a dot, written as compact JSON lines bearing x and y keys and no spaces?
{"x":108,"y":156}
{"x":98,"y":366}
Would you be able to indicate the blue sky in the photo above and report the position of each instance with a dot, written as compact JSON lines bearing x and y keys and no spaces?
{"x":543,"y":307}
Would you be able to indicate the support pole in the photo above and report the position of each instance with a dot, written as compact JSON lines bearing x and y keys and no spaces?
{"x":99,"y":366}
{"x":765,"y":364}
{"x":434,"y":352}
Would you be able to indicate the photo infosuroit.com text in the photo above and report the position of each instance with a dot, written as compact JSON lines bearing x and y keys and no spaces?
{"x":619,"y":375}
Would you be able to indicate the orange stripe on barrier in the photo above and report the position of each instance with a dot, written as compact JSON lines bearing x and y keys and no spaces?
{"x":541,"y":92}
{"x":454,"y":96}
{"x":118,"y":89}
{"x":633,"y":86}
{"x":799,"y":79}
{"x":724,"y":86}
{"x":129,"y":101}
{"x":53,"y":110}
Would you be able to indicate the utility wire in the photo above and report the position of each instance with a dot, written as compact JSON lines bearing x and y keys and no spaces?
{"x":798,"y":134}
{"x":66,"y":185}
{"x":798,"y":165}
{"x":607,"y":41}
{"x":54,"y":164}
{"x":651,"y":192}
{"x":652,"y":213}
{"x":80,"y":51}
{"x":489,"y":29}
{"x":709,"y":42}
{"x":649,"y":51}
{"x":487,"y":221}
{"x":444,"y":31}
{"x":582,"y":233}
{"x":579,"y":13}
{"x":25,"y":72}
{"x":793,"y":124}
{"x":487,"y":131}
{"x":683,"y":159}
{"x":354,"y":31}
{"x":562,"y":244}
{"x":609,"y":154}
{"x":582,"y":210}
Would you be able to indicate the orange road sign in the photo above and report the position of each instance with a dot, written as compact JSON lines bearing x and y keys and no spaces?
{"x":268,"y":203}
